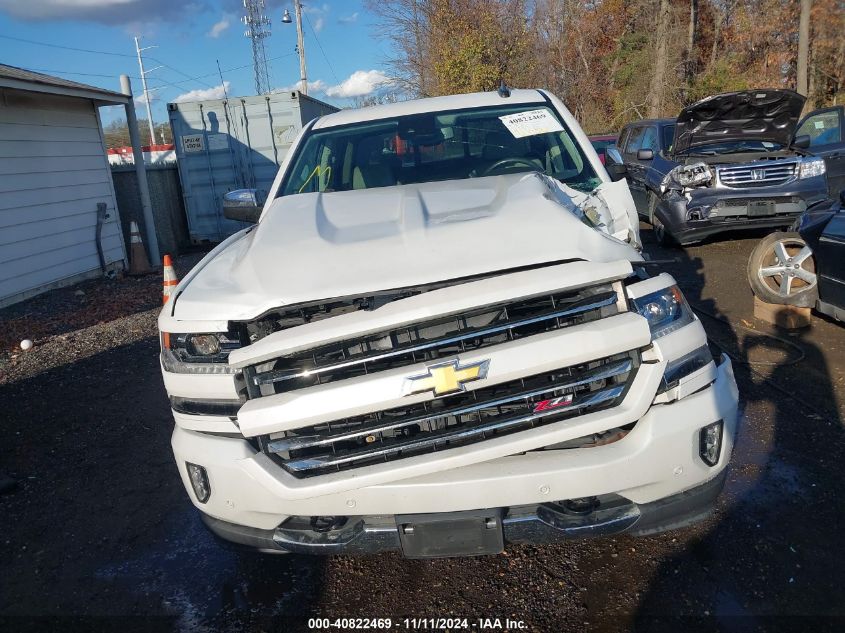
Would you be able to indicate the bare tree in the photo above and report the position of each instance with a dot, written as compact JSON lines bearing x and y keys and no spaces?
{"x":691,"y":57}
{"x":661,"y":62}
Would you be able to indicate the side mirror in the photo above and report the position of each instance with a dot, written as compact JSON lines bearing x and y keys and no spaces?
{"x":614,"y":165}
{"x":242,"y":205}
{"x":645,"y":154}
{"x":801,"y":142}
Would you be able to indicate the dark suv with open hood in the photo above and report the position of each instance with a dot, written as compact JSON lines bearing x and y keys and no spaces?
{"x":727,"y":162}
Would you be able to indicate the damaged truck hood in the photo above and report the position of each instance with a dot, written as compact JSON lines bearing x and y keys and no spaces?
{"x":753,"y":115}
{"x":315,"y":246}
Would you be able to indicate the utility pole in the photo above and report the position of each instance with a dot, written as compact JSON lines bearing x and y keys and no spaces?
{"x":138,"y":50}
{"x":257,"y":30}
{"x":140,"y":170}
{"x":300,"y":47}
{"x":300,"y":43}
{"x":803,"y":48}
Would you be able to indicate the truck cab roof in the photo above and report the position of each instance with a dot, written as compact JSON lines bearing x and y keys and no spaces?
{"x":427,"y":105}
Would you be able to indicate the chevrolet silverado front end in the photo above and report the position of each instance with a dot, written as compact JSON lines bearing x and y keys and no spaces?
{"x":442,"y":337}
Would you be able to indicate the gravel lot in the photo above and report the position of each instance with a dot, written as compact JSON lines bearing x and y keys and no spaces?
{"x":98,"y":533}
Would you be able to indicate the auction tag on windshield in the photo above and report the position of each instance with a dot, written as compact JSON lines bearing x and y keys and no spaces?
{"x":531,"y":122}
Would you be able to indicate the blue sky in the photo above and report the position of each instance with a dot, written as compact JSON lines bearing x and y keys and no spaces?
{"x":189,"y":36}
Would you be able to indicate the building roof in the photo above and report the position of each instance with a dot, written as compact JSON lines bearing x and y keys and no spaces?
{"x":21,"y":79}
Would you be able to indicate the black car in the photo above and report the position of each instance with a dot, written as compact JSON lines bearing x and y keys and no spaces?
{"x":805,"y":267}
{"x":732,"y":161}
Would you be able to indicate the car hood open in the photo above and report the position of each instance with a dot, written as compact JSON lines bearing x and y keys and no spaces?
{"x":315,"y":246}
{"x":752,"y":115}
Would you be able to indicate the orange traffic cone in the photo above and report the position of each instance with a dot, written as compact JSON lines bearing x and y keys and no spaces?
{"x":170,"y":279}
{"x":138,"y":262}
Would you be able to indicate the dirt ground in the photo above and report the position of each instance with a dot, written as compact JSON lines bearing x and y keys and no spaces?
{"x":97,"y":532}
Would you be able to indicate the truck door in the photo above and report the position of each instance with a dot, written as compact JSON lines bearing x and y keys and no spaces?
{"x":830,"y":261}
{"x":642,"y":137}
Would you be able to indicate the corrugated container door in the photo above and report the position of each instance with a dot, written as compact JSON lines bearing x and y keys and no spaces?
{"x":238,"y":143}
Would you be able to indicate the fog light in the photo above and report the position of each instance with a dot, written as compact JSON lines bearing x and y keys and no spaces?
{"x":199,"y":481}
{"x":710,"y":443}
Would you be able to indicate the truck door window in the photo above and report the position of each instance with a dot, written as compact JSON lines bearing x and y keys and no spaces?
{"x":668,"y":137}
{"x":635,"y":140}
{"x":623,"y":139}
{"x":649,"y":139}
{"x":823,"y":128}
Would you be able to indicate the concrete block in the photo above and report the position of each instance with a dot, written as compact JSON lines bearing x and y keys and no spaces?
{"x":787,"y":317}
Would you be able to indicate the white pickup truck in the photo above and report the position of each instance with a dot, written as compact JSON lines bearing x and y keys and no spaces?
{"x":441,"y":337}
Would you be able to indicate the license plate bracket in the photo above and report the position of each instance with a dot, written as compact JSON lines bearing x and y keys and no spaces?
{"x":761,"y":208}
{"x":474,"y":533}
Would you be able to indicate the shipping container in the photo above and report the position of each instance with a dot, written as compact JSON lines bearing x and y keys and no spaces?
{"x":235,"y":143}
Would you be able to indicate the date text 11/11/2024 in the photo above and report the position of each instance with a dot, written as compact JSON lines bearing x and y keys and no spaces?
{"x":418,"y":624}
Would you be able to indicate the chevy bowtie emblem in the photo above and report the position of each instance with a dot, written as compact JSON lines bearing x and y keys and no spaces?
{"x":444,"y":378}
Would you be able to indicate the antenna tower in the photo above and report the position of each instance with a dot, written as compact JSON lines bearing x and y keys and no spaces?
{"x":257,"y":29}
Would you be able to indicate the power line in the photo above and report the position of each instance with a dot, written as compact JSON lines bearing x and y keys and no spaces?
{"x":326,"y":57}
{"x":225,"y":70}
{"x":176,"y":70}
{"x":174,"y":84}
{"x":67,"y":48}
{"x":162,"y":82}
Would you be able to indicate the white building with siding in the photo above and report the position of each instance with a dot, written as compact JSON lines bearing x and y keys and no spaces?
{"x":53,"y":172}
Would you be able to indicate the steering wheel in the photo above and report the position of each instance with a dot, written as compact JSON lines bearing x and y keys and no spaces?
{"x":509,"y":162}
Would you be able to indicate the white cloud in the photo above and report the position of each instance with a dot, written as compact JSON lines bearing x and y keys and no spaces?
{"x":313,"y":9}
{"x":348,"y":19}
{"x":102,"y":11}
{"x":140,"y":100}
{"x":319,"y":23}
{"x":217,"y":92}
{"x":360,"y":84}
{"x":219,"y":27}
{"x":313,"y":86}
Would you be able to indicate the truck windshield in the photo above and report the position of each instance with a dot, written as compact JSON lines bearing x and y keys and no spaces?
{"x":448,"y":145}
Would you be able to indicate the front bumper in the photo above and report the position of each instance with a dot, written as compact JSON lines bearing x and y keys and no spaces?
{"x":709,"y":211}
{"x":645,"y":472}
{"x":538,"y":524}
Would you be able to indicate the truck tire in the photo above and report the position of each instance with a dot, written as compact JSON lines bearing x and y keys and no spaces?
{"x":782,"y":270}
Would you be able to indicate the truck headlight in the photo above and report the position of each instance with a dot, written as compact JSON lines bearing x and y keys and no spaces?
{"x":812,"y":167}
{"x":692,"y":175}
{"x":666,"y":310}
{"x":198,"y":353}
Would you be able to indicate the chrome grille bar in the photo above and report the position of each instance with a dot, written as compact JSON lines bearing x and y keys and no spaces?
{"x":601,"y":301}
{"x":294,"y":443}
{"x":326,"y":461}
{"x":757,"y":174}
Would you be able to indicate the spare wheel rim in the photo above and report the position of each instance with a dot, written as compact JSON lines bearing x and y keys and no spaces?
{"x":788,"y":267}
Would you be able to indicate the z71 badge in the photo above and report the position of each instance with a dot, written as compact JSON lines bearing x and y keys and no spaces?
{"x":554,"y":403}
